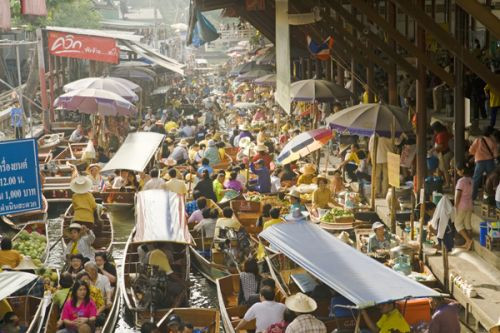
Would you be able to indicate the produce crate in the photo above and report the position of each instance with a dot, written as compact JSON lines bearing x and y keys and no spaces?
{"x":344,"y":219}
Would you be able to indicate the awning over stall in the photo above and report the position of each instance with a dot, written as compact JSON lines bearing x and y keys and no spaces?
{"x":354,"y":275}
{"x":10,"y":282}
{"x":135,"y":152}
{"x":154,"y":56}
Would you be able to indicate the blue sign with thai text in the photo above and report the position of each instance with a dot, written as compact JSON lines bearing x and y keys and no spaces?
{"x":20,"y":188}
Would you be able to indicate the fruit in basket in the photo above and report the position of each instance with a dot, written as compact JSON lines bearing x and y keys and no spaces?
{"x":334,"y":213}
{"x":31,"y":244}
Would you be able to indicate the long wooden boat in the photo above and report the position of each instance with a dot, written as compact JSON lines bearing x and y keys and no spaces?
{"x":57,"y":189}
{"x":71,"y":154}
{"x":161,"y":225}
{"x":104,"y":234}
{"x":28,"y":308}
{"x":53,"y":314}
{"x":248,"y":213}
{"x":66,"y":127}
{"x":16,"y":221}
{"x":206,"y":320}
{"x":42,"y":229}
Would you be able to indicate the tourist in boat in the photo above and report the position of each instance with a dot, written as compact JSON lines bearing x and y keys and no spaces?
{"x":95,"y":295}
{"x":227,"y":221}
{"x":121,"y":181}
{"x":266,"y":312}
{"x":233,"y":183}
{"x":105,"y":267}
{"x":207,"y":223}
{"x":62,"y":293}
{"x":197,"y":215}
{"x":93,"y":172}
{"x":212,"y":153}
{"x":322,"y":197}
{"x":390,"y":321}
{"x":76,"y":262}
{"x":263,"y":177}
{"x":100,"y":281}
{"x":206,"y":187}
{"x":262,"y":154}
{"x":84,"y":205}
{"x":295,"y":203}
{"x":156,"y":182}
{"x":303,"y":306}
{"x":8,"y":256}
{"x":205,"y":165}
{"x":81,"y":240}
{"x":249,"y":282}
{"x":307,"y":174}
{"x":218,"y":185}
{"x":174,"y":184}
{"x":149,"y":327}
{"x":78,"y":135}
{"x":79,"y":313}
{"x":180,"y":153}
{"x":381,"y":239}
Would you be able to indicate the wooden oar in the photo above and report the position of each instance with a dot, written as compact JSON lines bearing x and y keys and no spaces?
{"x":54,"y":244}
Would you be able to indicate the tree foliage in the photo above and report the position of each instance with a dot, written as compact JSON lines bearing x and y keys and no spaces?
{"x":64,"y":13}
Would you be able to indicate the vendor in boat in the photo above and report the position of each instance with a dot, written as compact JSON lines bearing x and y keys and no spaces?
{"x":295,"y":203}
{"x":78,"y":134}
{"x":381,"y":239}
{"x":303,"y":307}
{"x":263,"y":177}
{"x":307,"y":174}
{"x":93,"y":173}
{"x":81,"y":239}
{"x":84,"y":205}
{"x":155,"y":182}
{"x":8,"y":256}
{"x":390,"y":321}
{"x":322,"y":197}
{"x":180,"y":152}
{"x":262,"y":154}
{"x":212,"y":153}
{"x":218,"y":185}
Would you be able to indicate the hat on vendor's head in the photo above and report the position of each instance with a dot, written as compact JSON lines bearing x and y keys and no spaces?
{"x":294,"y":193}
{"x":308,"y":169}
{"x":75,"y":226}
{"x":211,"y":143}
{"x":93,"y":165}
{"x":301,"y":303}
{"x":377,"y":225}
{"x":296,"y":215}
{"x":261,"y":147}
{"x":80,"y":185}
{"x":183,"y":143}
{"x":321,"y":177}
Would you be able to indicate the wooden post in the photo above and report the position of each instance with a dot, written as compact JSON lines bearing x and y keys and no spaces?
{"x":446,"y":268}
{"x":459,"y":114}
{"x":392,"y":75}
{"x":421,"y":229}
{"x":374,"y":166}
{"x":412,"y":217}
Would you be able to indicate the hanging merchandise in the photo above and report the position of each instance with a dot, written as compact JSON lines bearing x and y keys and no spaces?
{"x":33,"y":7}
{"x":320,"y":51}
{"x":204,"y":31}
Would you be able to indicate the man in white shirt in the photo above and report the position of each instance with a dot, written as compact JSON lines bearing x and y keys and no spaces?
{"x":265,"y":313}
{"x":100,"y":281}
{"x":77,"y":135}
{"x":175,"y":185}
{"x":155,"y":183}
{"x":121,"y":180}
{"x":384,"y":146}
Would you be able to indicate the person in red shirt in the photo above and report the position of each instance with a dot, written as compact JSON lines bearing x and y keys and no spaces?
{"x":262,"y":154}
{"x":441,"y":146}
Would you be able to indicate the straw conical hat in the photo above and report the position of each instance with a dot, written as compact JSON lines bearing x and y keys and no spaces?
{"x":301,"y":303}
{"x":81,"y":184}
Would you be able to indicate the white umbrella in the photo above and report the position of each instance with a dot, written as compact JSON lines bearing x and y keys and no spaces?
{"x":318,"y":91}
{"x":104,"y":83}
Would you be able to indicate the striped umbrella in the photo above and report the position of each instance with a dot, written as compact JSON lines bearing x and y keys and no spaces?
{"x":304,"y":144}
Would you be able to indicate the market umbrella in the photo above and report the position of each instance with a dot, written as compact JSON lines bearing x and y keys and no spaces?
{"x":318,"y":91}
{"x":103,"y":83}
{"x":141,"y":73}
{"x":304,"y":144}
{"x":95,"y":101}
{"x":367,"y":119}
{"x":127,"y":83}
{"x":245,"y":105}
{"x":252,"y":75}
{"x":266,"y":80}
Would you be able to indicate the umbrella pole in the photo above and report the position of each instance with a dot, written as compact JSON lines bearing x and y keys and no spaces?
{"x":374,"y":166}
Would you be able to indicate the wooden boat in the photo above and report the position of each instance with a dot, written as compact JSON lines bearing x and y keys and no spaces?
{"x":53,"y":315}
{"x":104,"y":234}
{"x":160,"y":224}
{"x":41,"y":228}
{"x":49,"y":141}
{"x":71,"y":154}
{"x":207,"y":320}
{"x":57,"y":190}
{"x":202,"y":260}
{"x":16,"y":221}
{"x":224,"y":164}
{"x":28,"y":308}
{"x":247,"y":212}
{"x":231,"y":313}
{"x":66,"y":127}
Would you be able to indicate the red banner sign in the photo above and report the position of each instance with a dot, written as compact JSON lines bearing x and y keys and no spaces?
{"x":70,"y":45}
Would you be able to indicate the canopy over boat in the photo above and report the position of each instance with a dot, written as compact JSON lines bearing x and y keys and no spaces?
{"x":160,"y":216}
{"x":135,"y":152}
{"x":354,"y":275}
{"x":10,"y":282}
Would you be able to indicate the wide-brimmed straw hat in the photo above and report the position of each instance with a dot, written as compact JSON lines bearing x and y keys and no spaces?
{"x":294,"y":193}
{"x":308,"y":169}
{"x":321,"y":177}
{"x":93,"y":165}
{"x":183,"y":143}
{"x":261,"y":147}
{"x":301,"y":303}
{"x":80,"y":185}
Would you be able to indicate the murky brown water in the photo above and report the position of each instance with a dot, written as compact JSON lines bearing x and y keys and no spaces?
{"x":203,"y":294}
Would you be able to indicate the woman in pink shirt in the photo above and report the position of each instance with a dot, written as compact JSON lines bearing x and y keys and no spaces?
{"x":484,"y":149}
{"x":78,"y":315}
{"x":464,"y":205}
